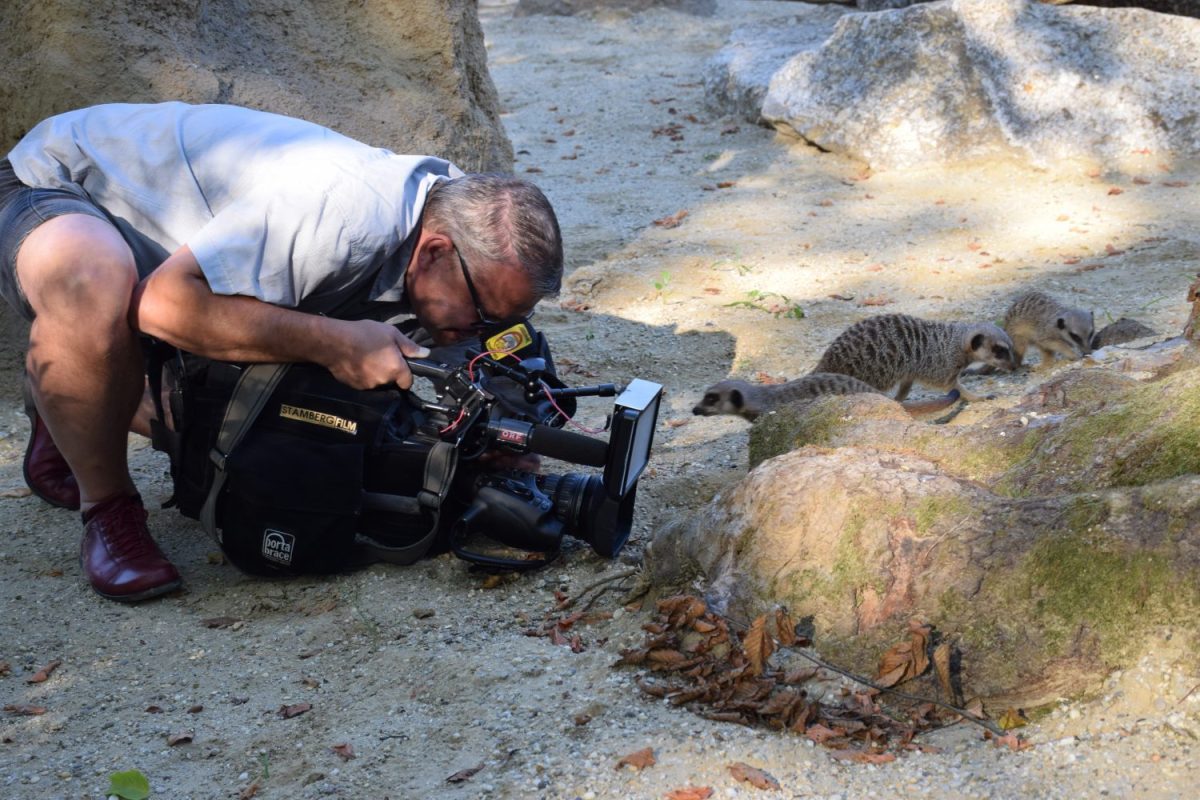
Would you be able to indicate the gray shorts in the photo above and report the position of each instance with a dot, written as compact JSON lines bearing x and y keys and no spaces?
{"x":21,"y":210}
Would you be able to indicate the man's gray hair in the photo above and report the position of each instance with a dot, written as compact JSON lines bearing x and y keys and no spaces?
{"x":494,"y":217}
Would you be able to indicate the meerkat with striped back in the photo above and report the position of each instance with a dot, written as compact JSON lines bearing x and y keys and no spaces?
{"x":1037,"y":319}
{"x":899,"y":350}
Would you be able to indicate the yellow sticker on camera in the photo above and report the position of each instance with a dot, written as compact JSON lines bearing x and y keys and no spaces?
{"x":510,"y":339}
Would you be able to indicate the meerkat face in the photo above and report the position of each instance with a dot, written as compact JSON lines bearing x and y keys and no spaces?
{"x":1078,"y":330}
{"x":990,"y":345}
{"x":726,"y":397}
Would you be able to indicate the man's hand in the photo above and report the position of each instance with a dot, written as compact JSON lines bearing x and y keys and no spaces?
{"x":371,"y":354}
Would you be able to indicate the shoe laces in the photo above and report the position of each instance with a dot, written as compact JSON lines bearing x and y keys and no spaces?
{"x":124,"y":531}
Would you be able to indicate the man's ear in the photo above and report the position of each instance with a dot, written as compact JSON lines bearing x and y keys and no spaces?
{"x":430,"y":246}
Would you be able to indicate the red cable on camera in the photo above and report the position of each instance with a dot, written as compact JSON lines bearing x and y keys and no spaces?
{"x":564,"y":414}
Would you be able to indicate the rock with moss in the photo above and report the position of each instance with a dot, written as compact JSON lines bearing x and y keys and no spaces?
{"x":1050,"y":542}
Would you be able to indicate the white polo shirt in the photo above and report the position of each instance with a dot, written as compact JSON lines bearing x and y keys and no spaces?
{"x":272,"y":207}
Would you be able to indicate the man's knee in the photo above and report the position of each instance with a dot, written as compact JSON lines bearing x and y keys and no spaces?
{"x":75,"y":262}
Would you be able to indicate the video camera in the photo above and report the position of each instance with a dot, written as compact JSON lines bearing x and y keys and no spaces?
{"x":484,"y":405}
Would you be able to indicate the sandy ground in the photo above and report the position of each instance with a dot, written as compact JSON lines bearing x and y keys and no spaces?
{"x":425,"y":671}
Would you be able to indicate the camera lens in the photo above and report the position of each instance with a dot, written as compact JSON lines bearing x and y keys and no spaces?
{"x":588,"y":513}
{"x":568,"y":493}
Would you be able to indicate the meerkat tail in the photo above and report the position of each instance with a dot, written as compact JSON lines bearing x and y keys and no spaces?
{"x":923,"y":408}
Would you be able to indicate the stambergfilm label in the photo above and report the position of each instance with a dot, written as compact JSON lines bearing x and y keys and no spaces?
{"x":318,"y":418}
{"x":278,"y":546}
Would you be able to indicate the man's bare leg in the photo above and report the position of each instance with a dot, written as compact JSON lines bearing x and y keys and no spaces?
{"x":86,"y":370}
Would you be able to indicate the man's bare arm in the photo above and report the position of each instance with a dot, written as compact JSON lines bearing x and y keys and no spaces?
{"x":175,"y":304}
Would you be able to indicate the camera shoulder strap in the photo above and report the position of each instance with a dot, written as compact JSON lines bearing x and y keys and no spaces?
{"x":439,"y":472}
{"x":253,"y":389}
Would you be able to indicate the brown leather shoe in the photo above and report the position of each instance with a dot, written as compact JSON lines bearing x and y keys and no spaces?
{"x":119,"y":557}
{"x":47,"y":473}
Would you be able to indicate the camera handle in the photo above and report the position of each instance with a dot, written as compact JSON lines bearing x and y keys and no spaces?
{"x":545,"y":440}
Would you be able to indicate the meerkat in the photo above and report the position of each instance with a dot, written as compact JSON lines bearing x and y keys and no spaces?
{"x":892,"y":349}
{"x":1121,"y":331}
{"x":750,"y":401}
{"x":1037,"y":319}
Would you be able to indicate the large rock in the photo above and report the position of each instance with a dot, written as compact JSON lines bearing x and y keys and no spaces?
{"x":1051,"y":543}
{"x":411,"y":77}
{"x":958,"y":79}
{"x":736,"y":78}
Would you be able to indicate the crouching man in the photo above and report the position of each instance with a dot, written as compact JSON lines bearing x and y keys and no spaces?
{"x":242,"y":236}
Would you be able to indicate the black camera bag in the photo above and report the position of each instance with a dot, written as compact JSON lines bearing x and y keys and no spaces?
{"x":271,"y":459}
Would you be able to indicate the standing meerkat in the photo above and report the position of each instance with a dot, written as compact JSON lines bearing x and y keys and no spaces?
{"x":1037,"y":319}
{"x":749,"y":401}
{"x":892,"y":349}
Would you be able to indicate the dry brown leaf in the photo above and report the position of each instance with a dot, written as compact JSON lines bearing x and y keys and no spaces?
{"x":678,"y":423}
{"x":973,"y":245}
{"x":249,"y":791}
{"x":1176,"y":184}
{"x":689,"y":793}
{"x":820,"y":734}
{"x":974,"y":708}
{"x":25,"y":710}
{"x":758,"y":645}
{"x":154,"y":709}
{"x":215,"y":557}
{"x":665,"y":657}
{"x":1111,"y":250}
{"x":464,"y":774}
{"x":44,"y":673}
{"x":711,"y":290}
{"x":218,"y":622}
{"x":726,"y":184}
{"x":179,"y":738}
{"x":941,"y":666}
{"x":877,"y":300}
{"x":800,"y":674}
{"x":345,"y":750}
{"x":492,"y":581}
{"x":5,"y":668}
{"x":785,"y":629}
{"x":1114,"y":190}
{"x":287,"y":712}
{"x":862,"y":756}
{"x":1012,"y":742}
{"x":905,"y":660}
{"x":582,"y":719}
{"x":680,"y":610}
{"x":753,"y":776}
{"x":16,"y":492}
{"x":639,"y":759}
{"x":672,"y":221}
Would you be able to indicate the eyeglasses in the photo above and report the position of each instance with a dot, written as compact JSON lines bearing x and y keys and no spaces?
{"x":485,"y":321}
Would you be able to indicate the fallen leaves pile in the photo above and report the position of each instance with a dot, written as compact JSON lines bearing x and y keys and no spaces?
{"x":694,"y":659}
